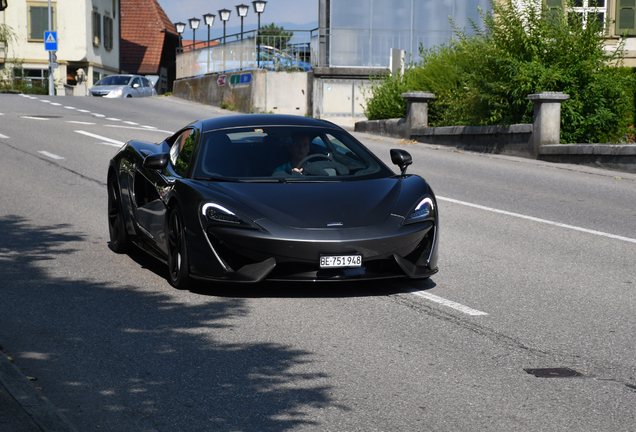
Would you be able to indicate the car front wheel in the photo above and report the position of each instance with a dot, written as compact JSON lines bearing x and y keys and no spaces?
{"x":178,"y":267}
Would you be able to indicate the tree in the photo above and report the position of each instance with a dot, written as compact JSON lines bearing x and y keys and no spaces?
{"x":274,"y":36}
{"x":484,"y":78}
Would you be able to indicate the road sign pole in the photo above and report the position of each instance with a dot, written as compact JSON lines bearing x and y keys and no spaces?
{"x":51,"y":83}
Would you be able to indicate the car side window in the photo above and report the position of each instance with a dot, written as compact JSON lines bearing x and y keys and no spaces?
{"x":181,"y":151}
{"x":136,"y":81}
{"x":146,"y":82}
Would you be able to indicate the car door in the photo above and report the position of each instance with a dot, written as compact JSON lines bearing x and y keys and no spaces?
{"x":137,"y":89}
{"x":147,"y":87}
{"x":151,"y":185}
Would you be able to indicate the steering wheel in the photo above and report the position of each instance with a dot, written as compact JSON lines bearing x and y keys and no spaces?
{"x":313,"y":156}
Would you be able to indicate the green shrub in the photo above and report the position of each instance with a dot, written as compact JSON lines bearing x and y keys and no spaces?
{"x":485,"y":78}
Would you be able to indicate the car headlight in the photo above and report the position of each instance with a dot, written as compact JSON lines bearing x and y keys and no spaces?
{"x":425,"y":209}
{"x":117,"y":92}
{"x":216,"y":213}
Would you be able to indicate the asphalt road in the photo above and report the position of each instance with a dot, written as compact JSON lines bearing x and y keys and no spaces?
{"x":537,"y":270}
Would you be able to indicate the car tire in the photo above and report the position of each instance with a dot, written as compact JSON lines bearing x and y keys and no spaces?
{"x":178,"y":265}
{"x":119,"y":241}
{"x":129,"y":96}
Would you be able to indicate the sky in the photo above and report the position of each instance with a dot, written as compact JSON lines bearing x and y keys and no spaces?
{"x":291,"y":14}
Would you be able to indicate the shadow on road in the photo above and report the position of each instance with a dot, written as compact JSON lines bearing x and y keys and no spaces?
{"x":132,"y":358}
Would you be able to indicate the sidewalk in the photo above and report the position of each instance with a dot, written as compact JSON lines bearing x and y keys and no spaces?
{"x":22,"y":407}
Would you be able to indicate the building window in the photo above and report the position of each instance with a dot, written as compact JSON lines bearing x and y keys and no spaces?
{"x":97,"y":28}
{"x":38,"y":20}
{"x":625,"y":17}
{"x":108,"y":32}
{"x":589,"y":10}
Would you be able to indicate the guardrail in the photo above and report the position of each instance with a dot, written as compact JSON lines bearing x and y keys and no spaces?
{"x":292,"y":50}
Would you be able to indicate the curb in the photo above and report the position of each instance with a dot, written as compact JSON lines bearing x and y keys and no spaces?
{"x":39,"y":408}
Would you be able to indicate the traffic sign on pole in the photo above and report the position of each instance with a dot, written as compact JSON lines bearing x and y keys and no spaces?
{"x":50,"y":41}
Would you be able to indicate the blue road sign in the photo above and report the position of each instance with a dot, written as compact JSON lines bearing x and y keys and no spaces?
{"x":50,"y":41}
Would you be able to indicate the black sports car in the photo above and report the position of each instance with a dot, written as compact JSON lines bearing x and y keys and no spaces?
{"x":252,"y":197}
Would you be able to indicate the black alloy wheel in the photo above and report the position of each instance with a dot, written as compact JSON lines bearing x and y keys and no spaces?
{"x":178,"y":266}
{"x":119,"y":241}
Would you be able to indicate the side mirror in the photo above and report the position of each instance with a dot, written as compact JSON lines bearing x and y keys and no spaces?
{"x":401,"y":158}
{"x":157,"y":161}
{"x":135,"y":85}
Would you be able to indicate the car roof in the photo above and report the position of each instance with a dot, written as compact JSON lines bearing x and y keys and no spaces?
{"x":257,"y":120}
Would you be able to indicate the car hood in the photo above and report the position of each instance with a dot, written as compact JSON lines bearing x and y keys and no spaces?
{"x":352,"y":204}
{"x":105,"y":89}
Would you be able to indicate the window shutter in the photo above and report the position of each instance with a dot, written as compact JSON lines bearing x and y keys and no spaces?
{"x":626,"y":17}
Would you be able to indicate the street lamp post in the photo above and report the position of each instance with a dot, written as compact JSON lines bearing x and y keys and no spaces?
{"x":180,"y":28}
{"x":209,"y":21}
{"x":241,"y":10}
{"x":259,"y":8}
{"x":225,"y":16}
{"x":194,"y":25}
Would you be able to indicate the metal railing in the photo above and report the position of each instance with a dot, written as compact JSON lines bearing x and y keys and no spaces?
{"x":294,"y":50}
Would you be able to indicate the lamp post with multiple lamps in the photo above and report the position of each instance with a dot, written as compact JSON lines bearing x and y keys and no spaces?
{"x":209,"y":21}
{"x":259,"y":8}
{"x":224,"y":15}
{"x":194,"y":25}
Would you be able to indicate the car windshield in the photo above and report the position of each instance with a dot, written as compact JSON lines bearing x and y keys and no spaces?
{"x":114,"y":80}
{"x":279,"y":153}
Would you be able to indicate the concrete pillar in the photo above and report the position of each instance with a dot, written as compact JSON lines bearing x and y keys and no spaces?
{"x":546,"y":127}
{"x":416,"y":109}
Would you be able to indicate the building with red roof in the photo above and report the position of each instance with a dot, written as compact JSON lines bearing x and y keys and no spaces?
{"x":148,"y":42}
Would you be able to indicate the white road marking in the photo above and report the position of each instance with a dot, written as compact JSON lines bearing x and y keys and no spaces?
{"x":109,"y":144}
{"x":35,"y":118}
{"x":140,"y":128}
{"x":45,"y":101}
{"x":101,"y":138}
{"x":84,"y":111}
{"x":448,"y":303}
{"x":51,"y":155}
{"x":56,"y":104}
{"x":113,"y":119}
{"x":149,"y":127}
{"x":131,"y":123}
{"x":534,"y":219}
{"x":99,"y":115}
{"x":80,"y":122}
{"x":4,"y":136}
{"x":70,"y":107}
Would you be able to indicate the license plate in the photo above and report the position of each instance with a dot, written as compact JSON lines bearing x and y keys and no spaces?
{"x":340,"y":261}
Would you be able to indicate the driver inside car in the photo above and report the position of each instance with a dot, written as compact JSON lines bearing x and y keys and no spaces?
{"x":298,"y":149}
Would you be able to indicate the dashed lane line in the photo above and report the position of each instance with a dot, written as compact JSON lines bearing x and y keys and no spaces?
{"x":448,"y":303}
{"x":144,"y":128}
{"x":51,"y":155}
{"x":104,"y":140}
{"x":4,"y":136}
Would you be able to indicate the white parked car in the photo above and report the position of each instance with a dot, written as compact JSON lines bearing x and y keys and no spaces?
{"x":123,"y":86}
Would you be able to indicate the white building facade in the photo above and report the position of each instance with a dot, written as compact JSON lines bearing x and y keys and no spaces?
{"x":88,"y":39}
